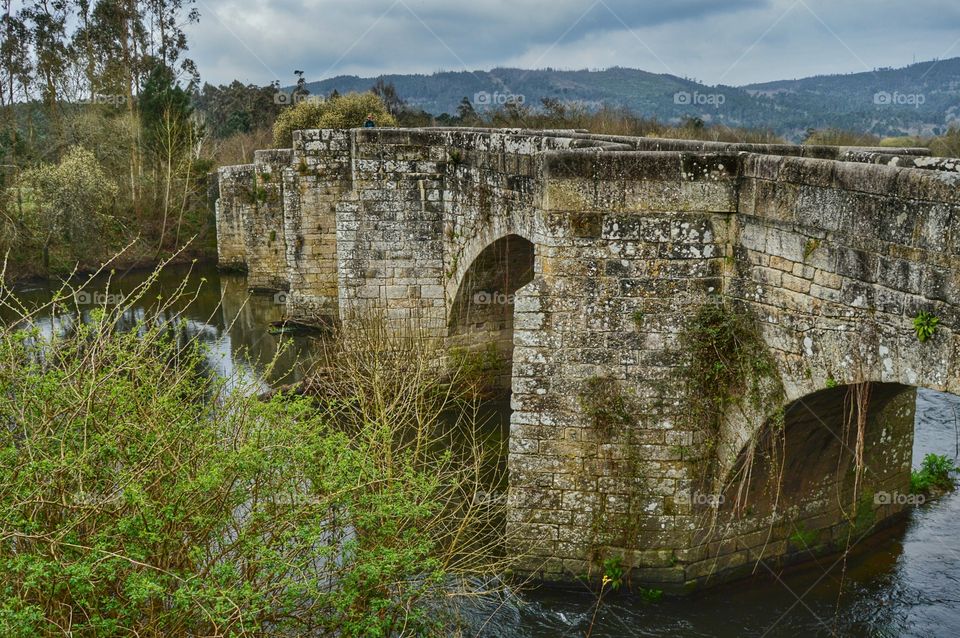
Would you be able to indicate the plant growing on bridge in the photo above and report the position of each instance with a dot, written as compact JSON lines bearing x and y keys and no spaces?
{"x":925,"y":325}
{"x":728,"y":365}
{"x":650,"y":594}
{"x":613,"y":571}
{"x":810,"y":247}
{"x":606,"y":403}
{"x":803,"y":538}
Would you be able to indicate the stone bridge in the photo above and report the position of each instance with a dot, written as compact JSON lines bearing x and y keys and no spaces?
{"x":595,"y":265}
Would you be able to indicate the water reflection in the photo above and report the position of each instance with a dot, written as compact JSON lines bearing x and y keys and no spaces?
{"x":216,"y":309}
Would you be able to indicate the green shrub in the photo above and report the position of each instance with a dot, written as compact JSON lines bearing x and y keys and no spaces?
{"x":140,"y":494}
{"x":70,"y":201}
{"x":341,"y":112}
{"x":804,"y":538}
{"x":613,"y":572}
{"x":650,"y":595}
{"x":935,"y":473}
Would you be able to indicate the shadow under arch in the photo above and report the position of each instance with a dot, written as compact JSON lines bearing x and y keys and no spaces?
{"x":797,"y":490}
{"x":481,"y":316}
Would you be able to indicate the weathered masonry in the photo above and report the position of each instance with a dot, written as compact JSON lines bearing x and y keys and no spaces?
{"x":594,"y":264}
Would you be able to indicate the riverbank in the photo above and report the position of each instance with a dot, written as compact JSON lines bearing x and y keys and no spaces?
{"x":19,"y":272}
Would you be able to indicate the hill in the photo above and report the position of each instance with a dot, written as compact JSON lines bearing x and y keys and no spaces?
{"x":921,"y":99}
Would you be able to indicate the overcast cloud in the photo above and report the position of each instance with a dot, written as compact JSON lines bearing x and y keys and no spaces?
{"x":714,"y":41}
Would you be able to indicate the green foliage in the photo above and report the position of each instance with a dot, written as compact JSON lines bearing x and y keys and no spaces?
{"x":831,"y":382}
{"x":637,"y":317}
{"x":804,"y":538}
{"x":141,"y":494}
{"x":925,"y":326}
{"x":604,"y":401}
{"x":165,"y":111}
{"x":237,"y":107}
{"x":303,"y":115}
{"x":935,"y":473}
{"x":650,"y":595}
{"x":728,"y":364}
{"x":613,"y":572}
{"x":865,"y":515}
{"x":345,"y":111}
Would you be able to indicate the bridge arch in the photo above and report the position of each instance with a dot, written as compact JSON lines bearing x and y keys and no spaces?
{"x":835,"y":468}
{"x":480,"y":320}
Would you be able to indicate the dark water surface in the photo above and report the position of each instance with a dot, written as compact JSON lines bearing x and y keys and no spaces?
{"x":904,"y":582}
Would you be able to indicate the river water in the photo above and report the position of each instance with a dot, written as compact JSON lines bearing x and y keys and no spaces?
{"x":903,"y":582}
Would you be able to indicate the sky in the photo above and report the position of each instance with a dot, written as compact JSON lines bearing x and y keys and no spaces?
{"x":732,"y":42}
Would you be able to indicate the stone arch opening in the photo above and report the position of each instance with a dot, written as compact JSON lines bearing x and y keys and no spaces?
{"x":797,"y":495}
{"x":481,"y":317}
{"x":812,"y":455}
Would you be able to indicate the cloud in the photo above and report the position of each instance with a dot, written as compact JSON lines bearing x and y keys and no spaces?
{"x":736,"y":41}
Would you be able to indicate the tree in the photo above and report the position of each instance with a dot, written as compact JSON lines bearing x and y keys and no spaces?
{"x":300,"y":92}
{"x":237,"y":107}
{"x":387,"y":93}
{"x":466,"y":112}
{"x":71,"y":200}
{"x":14,"y":71}
{"x":165,"y":113}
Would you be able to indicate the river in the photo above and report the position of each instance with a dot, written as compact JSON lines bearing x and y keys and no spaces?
{"x":903,"y":582}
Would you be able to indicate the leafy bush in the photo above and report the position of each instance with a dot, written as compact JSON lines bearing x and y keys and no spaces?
{"x":142,"y":495}
{"x":341,"y":112}
{"x":935,"y":473}
{"x":613,"y":571}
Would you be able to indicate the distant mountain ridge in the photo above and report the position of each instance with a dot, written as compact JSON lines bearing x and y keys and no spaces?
{"x":922,"y":98}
